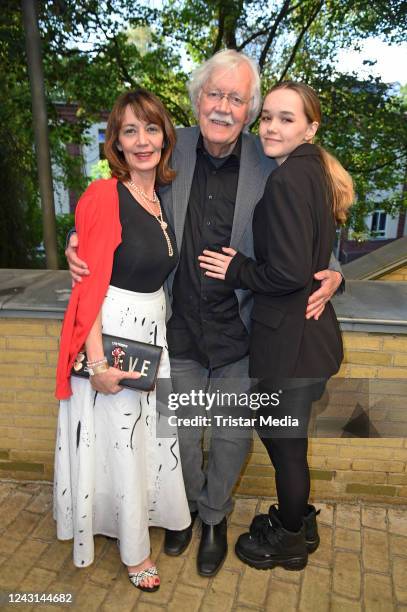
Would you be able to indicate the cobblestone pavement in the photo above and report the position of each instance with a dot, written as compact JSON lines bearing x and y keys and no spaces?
{"x":360,"y":565}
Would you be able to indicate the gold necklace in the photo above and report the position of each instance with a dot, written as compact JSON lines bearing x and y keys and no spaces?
{"x":159,"y":217}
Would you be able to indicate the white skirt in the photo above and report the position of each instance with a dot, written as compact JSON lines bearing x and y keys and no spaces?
{"x":113,"y":476}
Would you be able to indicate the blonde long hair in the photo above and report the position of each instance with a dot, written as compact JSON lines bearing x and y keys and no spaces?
{"x":340,"y":184}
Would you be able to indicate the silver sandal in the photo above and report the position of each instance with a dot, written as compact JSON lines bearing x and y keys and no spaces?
{"x":136,"y":578}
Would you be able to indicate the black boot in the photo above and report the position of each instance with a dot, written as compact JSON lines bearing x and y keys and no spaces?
{"x":311,"y":529}
{"x":213,"y":548}
{"x":272,"y":546}
{"x":310,"y":523}
{"x":176,"y":542}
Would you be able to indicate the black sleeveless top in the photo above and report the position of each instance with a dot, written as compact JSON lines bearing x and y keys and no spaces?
{"x":141,"y":262}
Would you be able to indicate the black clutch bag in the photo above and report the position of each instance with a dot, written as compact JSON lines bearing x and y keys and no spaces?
{"x":128,"y":356}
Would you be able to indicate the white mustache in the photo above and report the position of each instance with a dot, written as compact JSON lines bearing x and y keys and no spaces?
{"x":215,"y":116}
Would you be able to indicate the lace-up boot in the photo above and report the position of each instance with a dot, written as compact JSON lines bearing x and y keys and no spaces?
{"x":270,"y":545}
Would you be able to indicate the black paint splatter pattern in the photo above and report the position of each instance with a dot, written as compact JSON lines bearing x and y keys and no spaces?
{"x":115,"y":451}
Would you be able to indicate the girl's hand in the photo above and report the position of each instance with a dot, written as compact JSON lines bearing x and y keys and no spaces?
{"x":109,"y":381}
{"x":330,"y":282}
{"x":215,"y":263}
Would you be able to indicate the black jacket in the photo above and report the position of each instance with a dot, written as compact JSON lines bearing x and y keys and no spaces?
{"x":293,"y":232}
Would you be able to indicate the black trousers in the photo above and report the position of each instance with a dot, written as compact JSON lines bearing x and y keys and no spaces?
{"x":285,"y":437}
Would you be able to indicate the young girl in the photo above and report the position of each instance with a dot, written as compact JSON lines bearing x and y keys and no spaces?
{"x":293,"y":231}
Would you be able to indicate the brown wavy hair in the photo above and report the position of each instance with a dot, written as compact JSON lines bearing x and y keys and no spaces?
{"x":146,"y":107}
{"x":340,"y":184}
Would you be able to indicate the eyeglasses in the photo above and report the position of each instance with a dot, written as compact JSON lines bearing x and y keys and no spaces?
{"x":215,"y":95}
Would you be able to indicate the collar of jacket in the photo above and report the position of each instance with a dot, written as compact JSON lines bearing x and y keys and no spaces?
{"x":305,"y":150}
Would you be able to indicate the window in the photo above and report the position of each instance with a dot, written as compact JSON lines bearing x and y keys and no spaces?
{"x":378,"y":225}
{"x":101,"y":142}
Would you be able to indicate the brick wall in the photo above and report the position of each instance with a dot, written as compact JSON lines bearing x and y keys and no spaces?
{"x":374,"y":356}
{"x":341,"y":468}
{"x":28,"y":408}
{"x":397,"y":275}
{"x":349,"y":468}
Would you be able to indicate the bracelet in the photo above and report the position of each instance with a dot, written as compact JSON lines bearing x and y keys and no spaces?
{"x":98,"y":369}
{"x":96,"y":362}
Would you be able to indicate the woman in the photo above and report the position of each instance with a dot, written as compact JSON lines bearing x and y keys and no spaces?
{"x":113,"y":476}
{"x":293,"y":232}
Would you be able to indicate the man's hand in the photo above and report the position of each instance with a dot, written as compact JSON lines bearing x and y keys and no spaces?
{"x":109,"y":381}
{"x":77,"y":267}
{"x":330,"y":281}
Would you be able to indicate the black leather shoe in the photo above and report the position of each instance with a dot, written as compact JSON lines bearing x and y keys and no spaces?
{"x":273,"y":546}
{"x":310,"y":524}
{"x":176,"y":542}
{"x":213,"y":548}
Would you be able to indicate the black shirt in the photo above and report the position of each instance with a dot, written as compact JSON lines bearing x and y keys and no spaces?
{"x":141,"y":262}
{"x":205,"y":325}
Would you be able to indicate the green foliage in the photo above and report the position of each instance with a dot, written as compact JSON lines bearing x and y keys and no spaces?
{"x":300,"y":40}
{"x":64,"y":223}
{"x":101,"y":170}
{"x":95,"y":49}
{"x":359,"y":128}
{"x":19,"y":230}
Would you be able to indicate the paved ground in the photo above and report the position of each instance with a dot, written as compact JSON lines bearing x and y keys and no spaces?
{"x":360,"y":565}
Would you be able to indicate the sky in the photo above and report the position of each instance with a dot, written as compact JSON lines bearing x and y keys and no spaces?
{"x":391,"y":63}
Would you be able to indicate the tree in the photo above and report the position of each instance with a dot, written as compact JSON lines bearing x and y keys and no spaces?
{"x":93,"y":50}
{"x":43,"y":157}
{"x":18,"y":195}
{"x":299,"y":40}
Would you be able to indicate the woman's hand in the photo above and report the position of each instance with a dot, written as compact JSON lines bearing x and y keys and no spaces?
{"x":215,"y":263}
{"x":109,"y":381}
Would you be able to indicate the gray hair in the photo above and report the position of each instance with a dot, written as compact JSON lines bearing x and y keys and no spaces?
{"x":227,"y":59}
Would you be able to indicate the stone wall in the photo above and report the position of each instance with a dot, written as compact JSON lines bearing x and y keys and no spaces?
{"x":342,"y":468}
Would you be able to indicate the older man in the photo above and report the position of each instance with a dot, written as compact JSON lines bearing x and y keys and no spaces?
{"x":221,"y":173}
